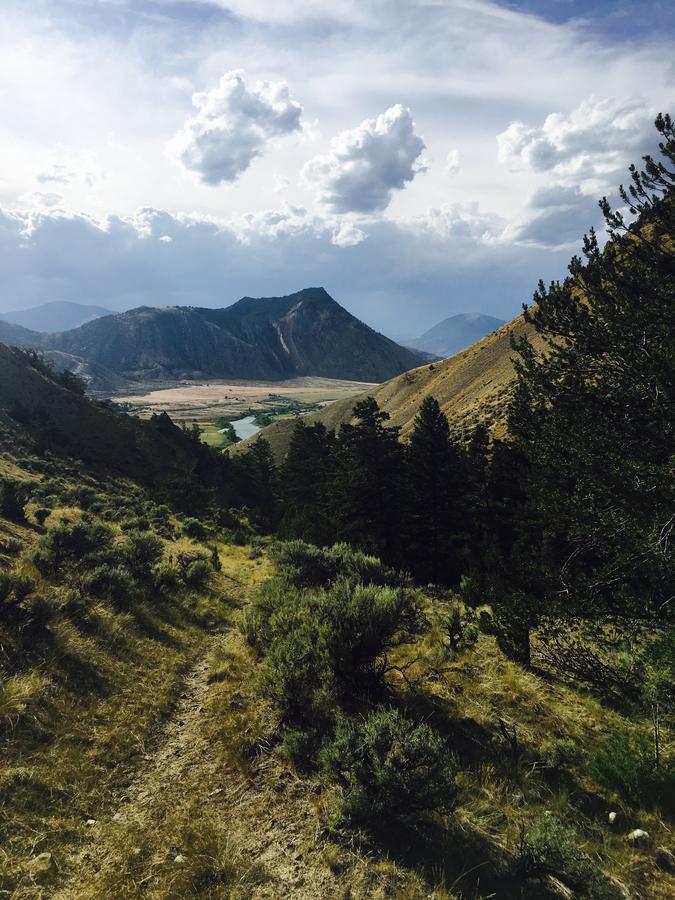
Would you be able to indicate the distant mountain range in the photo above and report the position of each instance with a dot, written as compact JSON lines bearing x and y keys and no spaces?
{"x":57,"y":316}
{"x":455,"y":333}
{"x":272,"y":338}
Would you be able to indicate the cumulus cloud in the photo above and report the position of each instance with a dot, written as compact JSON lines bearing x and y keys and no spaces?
{"x":366,"y":164}
{"x":232,"y":125}
{"x":347,"y":235}
{"x":588,"y":146}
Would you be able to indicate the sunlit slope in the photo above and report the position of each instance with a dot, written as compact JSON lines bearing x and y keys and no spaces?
{"x":473,"y":386}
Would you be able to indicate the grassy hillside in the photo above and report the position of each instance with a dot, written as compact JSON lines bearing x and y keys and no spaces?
{"x":471,"y":387}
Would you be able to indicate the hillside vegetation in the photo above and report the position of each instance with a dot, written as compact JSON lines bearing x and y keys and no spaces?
{"x":437,"y":668}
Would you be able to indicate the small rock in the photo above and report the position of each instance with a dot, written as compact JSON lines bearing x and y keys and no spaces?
{"x":216,"y":792}
{"x":136,"y":851}
{"x":117,"y":817}
{"x":612,"y":818}
{"x":179,"y":859}
{"x":43,"y":866}
{"x":665,"y":859}
{"x":637,"y":836}
{"x":91,"y":822}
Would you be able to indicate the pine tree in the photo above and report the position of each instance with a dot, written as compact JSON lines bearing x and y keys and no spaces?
{"x":305,"y":477}
{"x":368,"y":493}
{"x":593,"y":414}
{"x":437,"y":483}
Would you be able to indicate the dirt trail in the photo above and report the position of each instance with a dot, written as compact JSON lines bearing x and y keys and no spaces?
{"x":268,"y":813}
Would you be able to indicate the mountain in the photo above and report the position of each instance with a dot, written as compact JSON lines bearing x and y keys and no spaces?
{"x":307,"y":333}
{"x":18,"y":336}
{"x":472,"y":386}
{"x":455,"y":333}
{"x":60,"y":315}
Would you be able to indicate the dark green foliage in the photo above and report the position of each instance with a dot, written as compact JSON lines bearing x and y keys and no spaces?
{"x":194,"y":529}
{"x":550,"y":848}
{"x":368,"y":487}
{"x":137,"y":523}
{"x":625,"y":763}
{"x":259,"y":484}
{"x":142,"y":550}
{"x":593,"y":422}
{"x":66,"y":545}
{"x":309,"y":566}
{"x":216,"y":564}
{"x":112,"y":582}
{"x":306,"y":479}
{"x":436,"y":502}
{"x":197,"y":574}
{"x":14,"y":495}
{"x":389,"y":767}
{"x":560,"y":753}
{"x":41,"y":515}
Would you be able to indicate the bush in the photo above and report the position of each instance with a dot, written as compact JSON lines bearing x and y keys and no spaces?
{"x":559,"y":753}
{"x":135,"y":524}
{"x":142,"y":550}
{"x":326,"y":646}
{"x":389,"y":767}
{"x":550,"y":849}
{"x":112,"y":583}
{"x":197,"y":573}
{"x":310,"y":566}
{"x":41,"y":514}
{"x":66,"y":544}
{"x":165,"y":577}
{"x":194,"y":529}
{"x":625,"y":763}
{"x":14,"y":495}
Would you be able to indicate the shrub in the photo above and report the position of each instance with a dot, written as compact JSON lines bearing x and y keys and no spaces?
{"x":65,"y":544}
{"x":326,"y":645}
{"x":197,"y":573}
{"x":310,"y":566}
{"x":560,"y":752}
{"x":11,"y":546}
{"x":194,"y":529}
{"x":41,"y":514}
{"x":625,"y":763}
{"x":550,"y":848}
{"x":165,"y":577}
{"x":14,"y":495}
{"x":142,"y":550}
{"x":389,"y":767}
{"x":112,"y":583}
{"x":136,"y":523}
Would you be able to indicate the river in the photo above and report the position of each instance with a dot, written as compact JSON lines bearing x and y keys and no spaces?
{"x":245,"y":428}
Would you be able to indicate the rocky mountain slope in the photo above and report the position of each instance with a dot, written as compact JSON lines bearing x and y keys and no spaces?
{"x":59,"y":315}
{"x":455,"y":333}
{"x":307,"y":333}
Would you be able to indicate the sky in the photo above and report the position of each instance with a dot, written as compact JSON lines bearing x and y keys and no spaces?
{"x":417,"y":158}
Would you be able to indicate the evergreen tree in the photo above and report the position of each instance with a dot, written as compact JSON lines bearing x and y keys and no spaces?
{"x":368,"y":498}
{"x":259,"y":483}
{"x":593,"y":414}
{"x":437,"y":481}
{"x":306,"y":475}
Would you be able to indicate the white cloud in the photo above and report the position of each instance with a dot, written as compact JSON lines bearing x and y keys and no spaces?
{"x":347,"y":235}
{"x":232,"y":125}
{"x":366,"y":164}
{"x":588,"y":146}
{"x":453,"y":162}
{"x":555,"y":217}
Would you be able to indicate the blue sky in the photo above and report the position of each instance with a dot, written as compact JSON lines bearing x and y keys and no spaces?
{"x":418,"y":158}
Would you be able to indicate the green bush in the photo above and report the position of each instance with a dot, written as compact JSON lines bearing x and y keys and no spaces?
{"x":389,"y":767}
{"x":197,"y":573}
{"x":326,"y":646}
{"x":165,"y":577}
{"x":142,"y":550}
{"x":625,"y":763}
{"x":558,"y":753}
{"x":310,"y":566}
{"x":65,"y":544}
{"x":550,"y":849}
{"x":194,"y":529}
{"x":111,"y":583}
{"x":137,"y":523}
{"x":14,"y":495}
{"x":41,"y":514}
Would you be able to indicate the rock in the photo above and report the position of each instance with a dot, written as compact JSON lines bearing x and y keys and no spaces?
{"x":136,"y":851}
{"x":215,"y":793}
{"x":179,"y":859}
{"x":117,"y":817}
{"x":637,"y":836}
{"x":91,"y":822}
{"x":42,"y":866}
{"x":665,"y":859}
{"x":612,"y":818}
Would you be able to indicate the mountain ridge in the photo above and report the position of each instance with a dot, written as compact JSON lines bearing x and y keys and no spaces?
{"x":455,"y":333}
{"x":55,"y":316}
